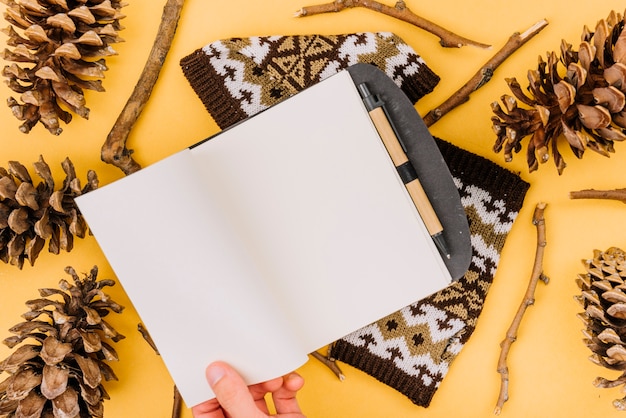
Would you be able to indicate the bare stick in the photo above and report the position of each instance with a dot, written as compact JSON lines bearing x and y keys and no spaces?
{"x":178,"y":403}
{"x":447,"y":39}
{"x":114,"y":150}
{"x":329,"y":362}
{"x":483,"y":76}
{"x":529,"y":299}
{"x":178,"y":400}
{"x":617,"y":194}
{"x":146,"y":336}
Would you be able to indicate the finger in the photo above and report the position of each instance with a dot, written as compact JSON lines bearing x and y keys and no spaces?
{"x":231,"y":391}
{"x":209,"y":409}
{"x":285,"y":397}
{"x":259,"y":391}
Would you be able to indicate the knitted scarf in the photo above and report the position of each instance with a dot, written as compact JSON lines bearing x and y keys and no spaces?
{"x":412,"y":349}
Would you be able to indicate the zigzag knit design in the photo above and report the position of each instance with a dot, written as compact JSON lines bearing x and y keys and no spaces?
{"x":239,"y":77}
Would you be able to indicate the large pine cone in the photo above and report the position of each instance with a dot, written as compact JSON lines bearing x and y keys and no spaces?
{"x":603,"y":296}
{"x":585,"y":106}
{"x":63,"y":44}
{"x":60,"y":371}
{"x":31,"y":215}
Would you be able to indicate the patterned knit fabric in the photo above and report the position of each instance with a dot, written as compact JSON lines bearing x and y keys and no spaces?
{"x":412,"y":349}
{"x":236,"y":78}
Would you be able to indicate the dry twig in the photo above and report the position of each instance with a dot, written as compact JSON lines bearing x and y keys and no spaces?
{"x":484,"y":74}
{"x":114,"y":150}
{"x":146,"y":336}
{"x":617,"y":194}
{"x":178,"y":400}
{"x":529,"y":299}
{"x":400,"y":11}
{"x":329,"y":362}
{"x":178,"y":403}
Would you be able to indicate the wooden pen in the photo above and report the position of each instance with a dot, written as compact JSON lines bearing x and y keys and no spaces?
{"x":397,"y":152}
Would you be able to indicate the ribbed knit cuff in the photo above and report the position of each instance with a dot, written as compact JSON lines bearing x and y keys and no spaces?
{"x":216,"y":98}
{"x":477,"y":170}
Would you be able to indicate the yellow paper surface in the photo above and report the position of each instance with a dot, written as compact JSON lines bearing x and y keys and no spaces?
{"x":549,"y":371}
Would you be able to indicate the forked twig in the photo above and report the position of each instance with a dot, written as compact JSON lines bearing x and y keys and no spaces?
{"x":114,"y":150}
{"x":529,"y":299}
{"x":484,"y":74}
{"x":329,"y":362}
{"x":400,"y":11}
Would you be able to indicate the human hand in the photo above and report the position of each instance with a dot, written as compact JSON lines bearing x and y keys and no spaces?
{"x":235,"y":399}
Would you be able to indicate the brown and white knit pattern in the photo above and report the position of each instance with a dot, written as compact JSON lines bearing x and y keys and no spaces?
{"x":239,"y":77}
{"x":411,"y":350}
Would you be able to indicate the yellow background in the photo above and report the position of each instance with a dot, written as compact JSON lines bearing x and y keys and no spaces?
{"x":550,"y":373}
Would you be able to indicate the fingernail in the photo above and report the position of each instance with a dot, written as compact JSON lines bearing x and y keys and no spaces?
{"x":294,"y":377}
{"x":215,"y":373}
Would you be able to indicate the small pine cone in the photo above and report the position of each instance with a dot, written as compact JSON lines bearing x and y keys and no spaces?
{"x":61,"y":361}
{"x":30,"y":215}
{"x":63,"y":45}
{"x":578,"y":97}
{"x":603,"y":296}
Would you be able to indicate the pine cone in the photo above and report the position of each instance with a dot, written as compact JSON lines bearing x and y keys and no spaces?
{"x":63,"y":45}
{"x":60,"y":371}
{"x":585,"y":106}
{"x":604,"y":299}
{"x":30,"y":215}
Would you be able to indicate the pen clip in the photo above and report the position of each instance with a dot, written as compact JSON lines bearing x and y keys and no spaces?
{"x":372,"y":102}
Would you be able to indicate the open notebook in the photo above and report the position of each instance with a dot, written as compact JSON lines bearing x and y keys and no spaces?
{"x":267,"y":241}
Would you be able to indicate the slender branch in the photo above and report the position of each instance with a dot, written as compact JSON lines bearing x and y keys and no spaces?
{"x":616,"y":194}
{"x":329,"y":362}
{"x":178,"y":400}
{"x":114,"y":150}
{"x":178,"y":403}
{"x":400,"y":11}
{"x":146,"y":336}
{"x":529,"y":299}
{"x":485,"y":73}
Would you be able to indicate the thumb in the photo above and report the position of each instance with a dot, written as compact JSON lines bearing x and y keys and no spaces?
{"x":231,"y":391}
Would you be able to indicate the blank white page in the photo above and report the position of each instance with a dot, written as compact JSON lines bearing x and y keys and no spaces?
{"x":197,"y":292}
{"x":268,"y":241}
{"x":311,"y":187}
